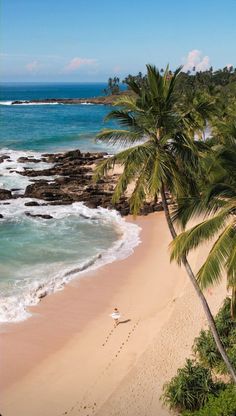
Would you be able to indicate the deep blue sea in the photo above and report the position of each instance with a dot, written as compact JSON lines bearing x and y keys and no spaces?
{"x":39,"y":256}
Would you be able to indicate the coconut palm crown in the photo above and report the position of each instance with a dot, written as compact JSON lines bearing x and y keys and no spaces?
{"x":158,"y":124}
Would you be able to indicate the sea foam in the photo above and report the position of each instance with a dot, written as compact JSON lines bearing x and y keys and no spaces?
{"x":15,"y":308}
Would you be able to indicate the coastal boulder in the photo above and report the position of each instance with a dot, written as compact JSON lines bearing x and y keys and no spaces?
{"x":5,"y":194}
{"x":24,"y":159}
{"x":44,"y":216}
{"x":32,"y":204}
{"x":4,"y":157}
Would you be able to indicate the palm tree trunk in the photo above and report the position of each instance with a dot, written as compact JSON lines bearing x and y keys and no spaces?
{"x":195,"y":284}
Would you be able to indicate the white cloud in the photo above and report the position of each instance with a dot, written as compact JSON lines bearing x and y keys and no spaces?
{"x":77,"y":62}
{"x":196,"y":59}
{"x":33,"y":66}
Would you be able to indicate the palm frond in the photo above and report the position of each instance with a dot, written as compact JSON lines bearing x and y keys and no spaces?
{"x":132,"y":161}
{"x":198,"y":205}
{"x":124,"y":117}
{"x":211,"y":271}
{"x":231,"y":261}
{"x":127,"y":102}
{"x":120,"y":137}
{"x":134,"y":87}
{"x":138,"y":195}
{"x":198,"y":234}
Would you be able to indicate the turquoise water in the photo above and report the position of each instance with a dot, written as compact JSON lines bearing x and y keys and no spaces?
{"x":39,"y":256}
{"x":50,"y":127}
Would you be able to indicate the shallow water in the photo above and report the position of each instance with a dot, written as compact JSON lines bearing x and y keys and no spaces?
{"x":39,"y":256}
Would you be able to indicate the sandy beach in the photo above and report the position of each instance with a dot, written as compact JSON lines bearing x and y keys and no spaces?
{"x":68,"y":359}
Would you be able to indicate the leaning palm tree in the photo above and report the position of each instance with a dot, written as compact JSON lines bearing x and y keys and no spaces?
{"x":163,"y":155}
{"x":217,"y":204}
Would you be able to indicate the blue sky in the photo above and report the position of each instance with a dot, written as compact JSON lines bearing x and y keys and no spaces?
{"x":79,"y":40}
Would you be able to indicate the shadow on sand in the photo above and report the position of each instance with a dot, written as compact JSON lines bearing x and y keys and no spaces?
{"x":124,"y":322}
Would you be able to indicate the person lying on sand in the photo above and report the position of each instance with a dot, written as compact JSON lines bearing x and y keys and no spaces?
{"x":116,"y":316}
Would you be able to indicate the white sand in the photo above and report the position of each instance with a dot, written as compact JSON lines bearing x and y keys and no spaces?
{"x":68,"y":360}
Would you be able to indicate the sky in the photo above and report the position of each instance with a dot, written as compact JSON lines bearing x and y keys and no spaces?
{"x":91,"y":40}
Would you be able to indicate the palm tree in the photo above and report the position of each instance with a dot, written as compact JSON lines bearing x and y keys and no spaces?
{"x":164,"y":156}
{"x":218,"y":204}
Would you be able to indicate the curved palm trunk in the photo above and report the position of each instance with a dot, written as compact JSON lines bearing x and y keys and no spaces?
{"x":195,"y":284}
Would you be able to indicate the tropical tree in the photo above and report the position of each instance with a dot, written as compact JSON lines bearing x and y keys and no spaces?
{"x":164,"y":155}
{"x":112,"y":86}
{"x":217,"y":205}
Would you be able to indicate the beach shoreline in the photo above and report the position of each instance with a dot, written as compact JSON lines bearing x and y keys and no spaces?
{"x":67,"y":354}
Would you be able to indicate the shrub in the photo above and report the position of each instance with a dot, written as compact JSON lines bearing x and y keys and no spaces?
{"x":223,"y":405}
{"x":190,"y":388}
{"x":205,"y":347}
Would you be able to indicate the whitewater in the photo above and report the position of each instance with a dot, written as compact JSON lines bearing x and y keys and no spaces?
{"x":39,"y":256}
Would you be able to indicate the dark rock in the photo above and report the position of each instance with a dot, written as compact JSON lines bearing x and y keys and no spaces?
{"x":4,"y":157}
{"x":59,"y":203}
{"x":1,"y":216}
{"x":32,"y":204}
{"x":5,"y":194}
{"x":28,"y":160}
{"x":44,"y":216}
{"x":74,"y":183}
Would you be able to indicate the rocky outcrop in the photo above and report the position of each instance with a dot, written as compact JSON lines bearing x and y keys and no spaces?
{"x":4,"y":157}
{"x":25,"y":159}
{"x":5,"y":194}
{"x":70,"y":179}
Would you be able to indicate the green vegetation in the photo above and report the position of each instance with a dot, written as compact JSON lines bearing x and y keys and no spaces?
{"x":190,"y":388}
{"x":222,"y":405}
{"x":192,"y":391}
{"x":205,"y":347}
{"x":217,"y":203}
{"x":164,"y":118}
{"x":113,"y":87}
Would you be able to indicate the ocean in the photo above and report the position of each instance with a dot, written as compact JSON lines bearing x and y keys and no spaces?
{"x":39,"y":256}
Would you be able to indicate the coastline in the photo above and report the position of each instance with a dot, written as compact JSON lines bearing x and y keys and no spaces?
{"x":64,"y":358}
{"x":98,"y":100}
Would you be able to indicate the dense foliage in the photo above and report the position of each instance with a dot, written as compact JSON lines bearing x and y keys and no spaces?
{"x":205,"y":347}
{"x":221,"y":82}
{"x":190,"y":388}
{"x":192,"y":391}
{"x":222,"y":405}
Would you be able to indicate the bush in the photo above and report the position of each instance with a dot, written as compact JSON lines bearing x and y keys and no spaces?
{"x":190,"y":388}
{"x":205,"y":347}
{"x":223,"y":405}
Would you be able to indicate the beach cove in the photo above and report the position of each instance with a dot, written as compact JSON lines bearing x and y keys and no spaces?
{"x":68,"y":361}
